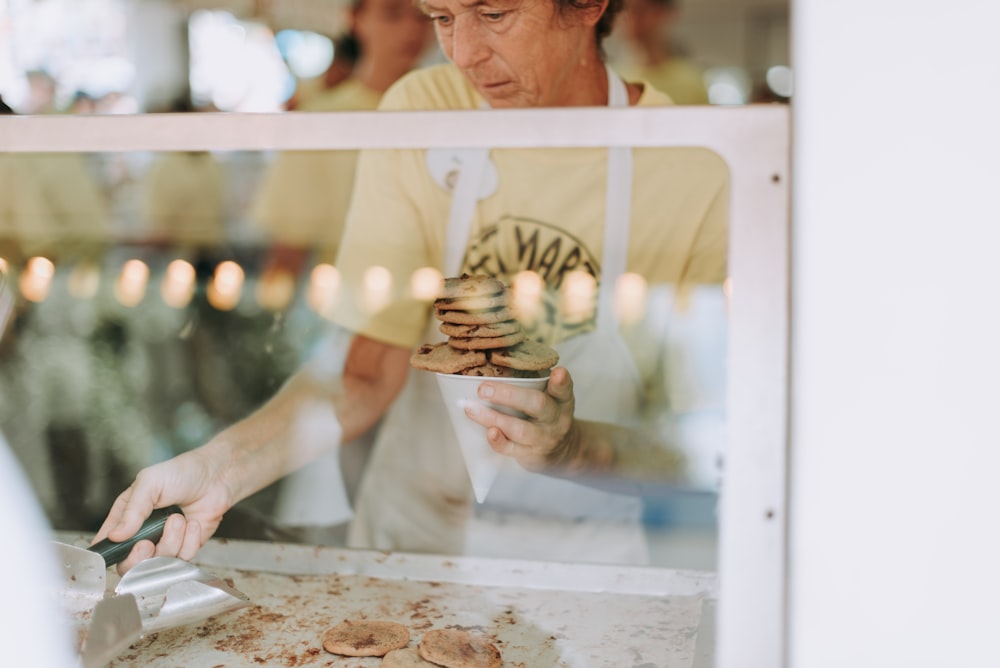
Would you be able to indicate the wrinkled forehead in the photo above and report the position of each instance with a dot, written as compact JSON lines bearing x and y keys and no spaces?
{"x":456,"y":6}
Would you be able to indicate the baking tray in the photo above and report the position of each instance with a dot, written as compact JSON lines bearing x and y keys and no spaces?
{"x":539,"y":614}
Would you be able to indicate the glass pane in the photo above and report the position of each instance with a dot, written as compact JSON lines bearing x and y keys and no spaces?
{"x":164,"y":297}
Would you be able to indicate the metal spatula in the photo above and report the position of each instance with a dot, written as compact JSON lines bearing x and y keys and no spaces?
{"x":156,"y":594}
{"x":172,"y":592}
{"x":104,"y":626}
{"x":84,"y":568}
{"x":114,"y":625}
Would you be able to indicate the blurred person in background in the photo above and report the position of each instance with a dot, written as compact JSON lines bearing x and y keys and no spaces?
{"x":58,"y":210}
{"x":41,"y":93}
{"x":302,"y":204}
{"x":82,"y":102}
{"x":183,"y":202}
{"x":64,"y":211}
{"x":184,"y":199}
{"x":303,"y":199}
{"x":345,"y":56}
{"x":75,"y":220}
{"x":20,"y":194}
{"x":650,"y":54}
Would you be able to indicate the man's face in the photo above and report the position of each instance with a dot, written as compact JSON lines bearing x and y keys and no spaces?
{"x":516,"y":53}
{"x":395,"y":29}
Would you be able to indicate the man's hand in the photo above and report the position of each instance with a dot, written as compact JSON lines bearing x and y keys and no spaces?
{"x":548,"y":438}
{"x":255,"y":452}
{"x":189,"y":481}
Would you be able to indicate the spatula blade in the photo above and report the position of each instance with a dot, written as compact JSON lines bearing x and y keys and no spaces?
{"x":114,"y":626}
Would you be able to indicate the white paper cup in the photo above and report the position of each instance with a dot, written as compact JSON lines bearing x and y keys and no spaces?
{"x":481,"y":461}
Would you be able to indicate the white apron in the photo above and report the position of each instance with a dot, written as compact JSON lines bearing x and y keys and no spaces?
{"x":416,"y":494}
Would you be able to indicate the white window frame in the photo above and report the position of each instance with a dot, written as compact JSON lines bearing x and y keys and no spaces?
{"x":754,"y":142}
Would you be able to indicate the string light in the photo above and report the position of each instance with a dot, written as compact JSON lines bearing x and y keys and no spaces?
{"x":226,"y":287}
{"x":36,"y":280}
{"x":178,"y":284}
{"x":130,"y":288}
{"x":426,"y":284}
{"x":630,"y":298}
{"x":527,"y":288}
{"x":577,"y":297}
{"x":377,"y":288}
{"x":324,"y":288}
{"x":275,"y":290}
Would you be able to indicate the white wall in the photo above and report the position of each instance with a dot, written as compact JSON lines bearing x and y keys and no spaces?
{"x":896,"y":328}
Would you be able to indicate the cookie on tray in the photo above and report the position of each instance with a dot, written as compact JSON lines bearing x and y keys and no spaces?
{"x":443,"y":358}
{"x":526,"y":356}
{"x":480,"y":317}
{"x":365,"y":638}
{"x":455,"y":648}
{"x":488,"y":343}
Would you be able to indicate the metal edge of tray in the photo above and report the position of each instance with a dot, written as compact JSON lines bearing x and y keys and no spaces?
{"x":294,"y":559}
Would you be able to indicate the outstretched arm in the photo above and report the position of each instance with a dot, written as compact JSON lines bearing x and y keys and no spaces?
{"x":299,"y":423}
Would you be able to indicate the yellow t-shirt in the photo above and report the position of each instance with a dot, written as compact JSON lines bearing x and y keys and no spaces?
{"x":184,"y":199}
{"x":51,"y":203}
{"x":304,"y":196}
{"x":677,"y":77}
{"x":547,"y":214}
{"x":22,"y":203}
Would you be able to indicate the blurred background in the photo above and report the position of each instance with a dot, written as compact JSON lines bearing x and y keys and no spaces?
{"x":126,"y":56}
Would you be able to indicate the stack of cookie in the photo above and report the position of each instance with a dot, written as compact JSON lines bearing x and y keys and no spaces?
{"x":484,"y":337}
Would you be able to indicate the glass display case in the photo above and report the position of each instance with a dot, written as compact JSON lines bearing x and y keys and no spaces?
{"x":175,"y":272}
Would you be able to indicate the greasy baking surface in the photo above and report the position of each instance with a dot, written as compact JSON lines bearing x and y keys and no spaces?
{"x":533,"y":628}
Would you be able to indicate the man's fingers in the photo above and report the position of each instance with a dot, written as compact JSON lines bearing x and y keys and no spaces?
{"x":114,"y":516}
{"x":560,"y":385}
{"x":527,"y":401}
{"x":137,"y":504}
{"x":173,"y":537}
{"x":181,"y":538}
{"x":125,"y":517}
{"x":144,"y":549}
{"x":192,"y":540}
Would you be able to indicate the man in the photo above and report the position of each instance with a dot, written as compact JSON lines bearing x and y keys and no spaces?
{"x":503,"y":53}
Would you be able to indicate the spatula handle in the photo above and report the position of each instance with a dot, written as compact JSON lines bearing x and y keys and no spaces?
{"x":151,"y":529}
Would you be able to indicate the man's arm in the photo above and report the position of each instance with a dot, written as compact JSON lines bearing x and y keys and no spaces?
{"x":300,"y":421}
{"x":295,"y":426}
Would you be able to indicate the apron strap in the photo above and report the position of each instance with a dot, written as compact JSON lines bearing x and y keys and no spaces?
{"x":472,"y":166}
{"x":618,"y":212}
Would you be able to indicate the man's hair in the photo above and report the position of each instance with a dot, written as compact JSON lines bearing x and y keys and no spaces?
{"x":604,"y":25}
